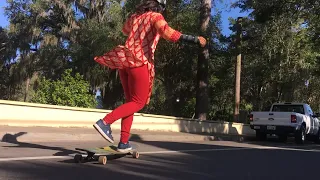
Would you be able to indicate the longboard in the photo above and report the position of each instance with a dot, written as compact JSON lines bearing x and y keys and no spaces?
{"x":101,"y":154}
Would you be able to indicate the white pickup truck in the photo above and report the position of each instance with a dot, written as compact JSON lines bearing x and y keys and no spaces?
{"x":287,"y":119}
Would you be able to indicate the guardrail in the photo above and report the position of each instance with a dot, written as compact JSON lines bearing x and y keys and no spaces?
{"x":13,"y":113}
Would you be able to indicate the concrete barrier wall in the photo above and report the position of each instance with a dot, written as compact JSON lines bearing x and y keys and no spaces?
{"x":14,"y":113}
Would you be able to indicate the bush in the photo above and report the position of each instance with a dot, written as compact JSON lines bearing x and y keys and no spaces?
{"x":68,"y":91}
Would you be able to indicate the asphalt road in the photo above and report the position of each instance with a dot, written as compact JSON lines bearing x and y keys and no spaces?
{"x":161,"y":160}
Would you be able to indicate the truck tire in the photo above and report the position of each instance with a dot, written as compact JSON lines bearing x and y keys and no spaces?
{"x":261,"y":136}
{"x":300,"y":135}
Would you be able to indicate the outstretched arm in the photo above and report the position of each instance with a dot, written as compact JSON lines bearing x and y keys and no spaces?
{"x":170,"y":34}
{"x":195,"y":39}
{"x":165,"y":30}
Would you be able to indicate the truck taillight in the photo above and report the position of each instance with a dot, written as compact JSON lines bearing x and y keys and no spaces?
{"x":293,"y":118}
{"x":251,"y":117}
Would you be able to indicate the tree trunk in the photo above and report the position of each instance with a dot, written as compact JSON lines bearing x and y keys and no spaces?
{"x":27,"y":89}
{"x":202,"y":101}
{"x":238,"y":72}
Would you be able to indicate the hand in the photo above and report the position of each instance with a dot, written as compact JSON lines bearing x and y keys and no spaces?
{"x":203,"y":41}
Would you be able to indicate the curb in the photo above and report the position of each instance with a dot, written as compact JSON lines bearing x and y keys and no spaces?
{"x":61,"y":116}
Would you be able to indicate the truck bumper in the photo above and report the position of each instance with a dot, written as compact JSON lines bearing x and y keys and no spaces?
{"x":275,"y":129}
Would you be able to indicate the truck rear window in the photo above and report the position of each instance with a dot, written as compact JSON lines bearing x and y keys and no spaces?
{"x":288,"y":108}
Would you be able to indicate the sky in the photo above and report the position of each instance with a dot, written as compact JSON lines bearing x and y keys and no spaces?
{"x":3,"y":19}
{"x":226,"y":13}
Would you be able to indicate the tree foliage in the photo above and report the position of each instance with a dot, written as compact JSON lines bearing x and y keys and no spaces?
{"x":280,"y":52}
{"x":68,"y":91}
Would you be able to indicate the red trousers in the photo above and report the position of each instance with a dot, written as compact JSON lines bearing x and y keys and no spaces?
{"x":135,"y":83}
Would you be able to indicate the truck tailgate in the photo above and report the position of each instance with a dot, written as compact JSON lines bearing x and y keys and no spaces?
{"x":272,"y":118}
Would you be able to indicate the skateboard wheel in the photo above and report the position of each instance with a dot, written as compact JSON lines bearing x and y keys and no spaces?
{"x":135,"y":154}
{"x":103,"y":160}
{"x":78,"y":158}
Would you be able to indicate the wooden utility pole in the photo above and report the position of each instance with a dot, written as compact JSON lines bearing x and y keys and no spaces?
{"x":238,"y":70}
{"x":202,"y":99}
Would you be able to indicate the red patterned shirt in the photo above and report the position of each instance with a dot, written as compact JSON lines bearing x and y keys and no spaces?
{"x":144,"y":32}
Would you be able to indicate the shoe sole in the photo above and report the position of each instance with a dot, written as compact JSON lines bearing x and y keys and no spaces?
{"x":102,"y":133}
{"x":124,"y":150}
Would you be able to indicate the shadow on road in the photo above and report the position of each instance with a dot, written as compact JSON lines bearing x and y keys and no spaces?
{"x":12,"y":139}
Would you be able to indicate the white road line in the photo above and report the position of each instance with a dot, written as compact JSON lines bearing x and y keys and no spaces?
{"x":33,"y":158}
{"x":289,"y":149}
{"x":194,"y":150}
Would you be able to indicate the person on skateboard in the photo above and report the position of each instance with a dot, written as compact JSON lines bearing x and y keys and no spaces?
{"x":135,"y":63}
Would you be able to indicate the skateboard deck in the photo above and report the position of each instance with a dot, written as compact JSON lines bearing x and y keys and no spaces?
{"x":101,"y":154}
